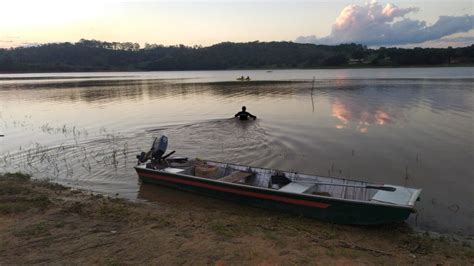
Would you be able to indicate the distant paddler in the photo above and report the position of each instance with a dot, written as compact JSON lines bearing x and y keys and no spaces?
{"x":244,"y":115}
{"x":242,"y":78}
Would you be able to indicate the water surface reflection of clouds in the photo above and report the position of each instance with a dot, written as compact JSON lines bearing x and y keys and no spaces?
{"x":360,"y":117}
{"x":362,"y":105}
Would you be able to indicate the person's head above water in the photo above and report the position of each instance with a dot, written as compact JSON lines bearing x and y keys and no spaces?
{"x":244,"y":108}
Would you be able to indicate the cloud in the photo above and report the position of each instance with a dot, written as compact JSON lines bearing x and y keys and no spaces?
{"x":8,"y":41}
{"x":465,"y":39}
{"x":455,"y":40}
{"x":374,"y":25}
{"x":6,"y":44}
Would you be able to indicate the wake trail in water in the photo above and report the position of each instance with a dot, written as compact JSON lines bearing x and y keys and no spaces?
{"x":110,"y":158}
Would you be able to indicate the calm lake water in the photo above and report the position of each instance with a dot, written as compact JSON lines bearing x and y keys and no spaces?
{"x":410,"y":127}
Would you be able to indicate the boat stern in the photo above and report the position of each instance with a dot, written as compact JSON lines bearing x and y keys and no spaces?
{"x":401,"y":196}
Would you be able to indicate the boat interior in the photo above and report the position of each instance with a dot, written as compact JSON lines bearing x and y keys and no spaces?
{"x":273,"y":179}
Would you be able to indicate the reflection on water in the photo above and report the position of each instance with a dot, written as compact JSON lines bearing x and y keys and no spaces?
{"x":415,"y":132}
{"x":361,"y":117}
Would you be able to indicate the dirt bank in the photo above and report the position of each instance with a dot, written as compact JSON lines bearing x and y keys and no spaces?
{"x":45,"y":223}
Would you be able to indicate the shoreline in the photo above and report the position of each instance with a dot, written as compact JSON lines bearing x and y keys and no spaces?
{"x":244,"y":69}
{"x":43,"y":222}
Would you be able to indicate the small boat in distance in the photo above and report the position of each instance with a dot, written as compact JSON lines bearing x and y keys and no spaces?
{"x":242,"y":78}
{"x":330,"y":199}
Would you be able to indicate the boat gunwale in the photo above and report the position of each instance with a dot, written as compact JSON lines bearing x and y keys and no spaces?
{"x":411,"y":202}
{"x":324,"y":176}
{"x":311,"y":196}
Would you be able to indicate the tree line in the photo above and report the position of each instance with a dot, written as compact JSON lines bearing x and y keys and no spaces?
{"x":93,"y":55}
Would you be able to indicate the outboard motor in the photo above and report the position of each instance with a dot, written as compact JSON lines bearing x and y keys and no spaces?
{"x":142,"y":157}
{"x":156,"y":155}
{"x":159,"y":148}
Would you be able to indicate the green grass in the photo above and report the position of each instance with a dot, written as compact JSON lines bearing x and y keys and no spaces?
{"x":22,"y":204}
{"x":271,"y":235}
{"x":111,"y":262}
{"x":114,"y":211}
{"x":48,"y":184}
{"x":12,"y":207}
{"x":75,"y":207}
{"x":17,"y":175}
{"x":158,"y":221}
{"x":32,"y":230}
{"x":469,"y":253}
{"x":224,"y":229}
{"x":9,"y":188}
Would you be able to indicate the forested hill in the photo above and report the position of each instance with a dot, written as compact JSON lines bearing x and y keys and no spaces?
{"x":91,"y":55}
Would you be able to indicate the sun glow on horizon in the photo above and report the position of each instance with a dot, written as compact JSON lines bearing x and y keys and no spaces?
{"x":205,"y":22}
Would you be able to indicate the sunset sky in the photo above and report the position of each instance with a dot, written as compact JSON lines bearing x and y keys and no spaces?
{"x":383,"y":23}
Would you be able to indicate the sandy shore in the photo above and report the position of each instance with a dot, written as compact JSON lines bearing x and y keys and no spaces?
{"x":44,"y":223}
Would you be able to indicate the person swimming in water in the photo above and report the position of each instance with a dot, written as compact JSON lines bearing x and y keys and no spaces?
{"x":244,"y":115}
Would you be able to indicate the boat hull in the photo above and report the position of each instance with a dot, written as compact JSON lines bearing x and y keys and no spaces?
{"x":322,"y":208}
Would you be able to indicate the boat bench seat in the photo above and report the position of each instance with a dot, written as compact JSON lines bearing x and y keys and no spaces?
{"x":236,"y":176}
{"x":295,"y":187}
{"x":173,"y":170}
